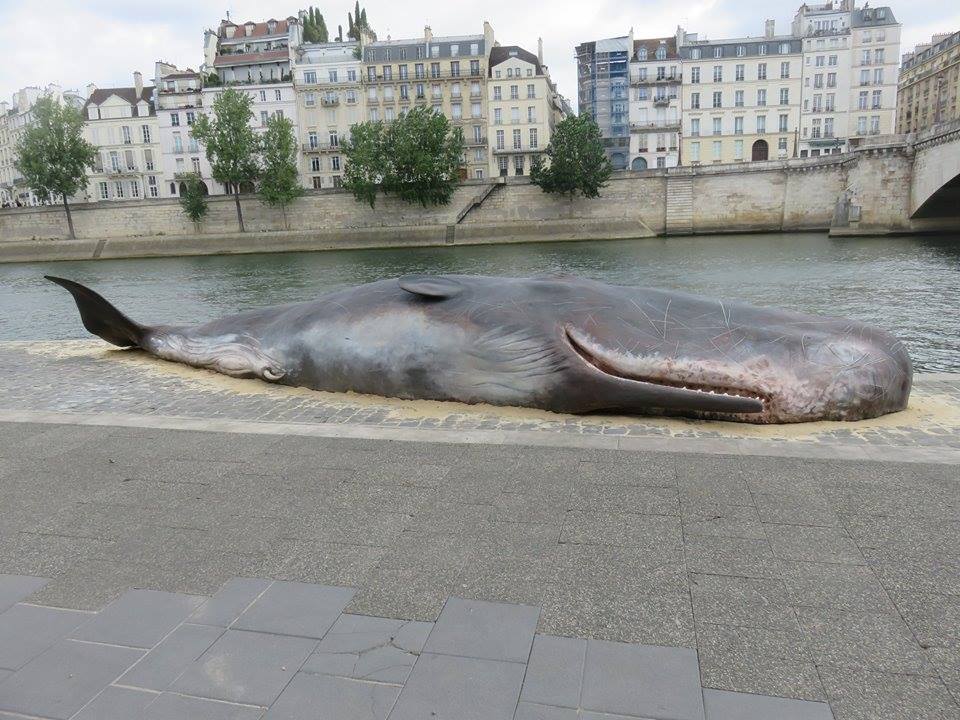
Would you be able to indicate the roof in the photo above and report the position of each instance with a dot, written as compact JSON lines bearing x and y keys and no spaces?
{"x":502,"y":53}
{"x":651,"y":44}
{"x":101,"y":95}
{"x":867,"y":17}
{"x":259,"y":29}
{"x":244,"y":58}
{"x":188,"y":73}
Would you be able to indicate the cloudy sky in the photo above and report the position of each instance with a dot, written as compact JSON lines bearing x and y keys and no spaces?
{"x":75,"y":42}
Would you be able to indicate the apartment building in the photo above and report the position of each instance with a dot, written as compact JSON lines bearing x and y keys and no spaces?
{"x":122,"y":123}
{"x":524,"y":109}
{"x":330,"y":99}
{"x":15,"y":117}
{"x":256,"y":57}
{"x":655,"y":102}
{"x":447,"y":73}
{"x":603,"y":92}
{"x":179,"y":102}
{"x":876,"y":58}
{"x":929,"y":85}
{"x":740,"y":98}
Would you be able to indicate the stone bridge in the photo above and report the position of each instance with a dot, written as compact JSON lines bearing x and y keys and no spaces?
{"x":902,"y":183}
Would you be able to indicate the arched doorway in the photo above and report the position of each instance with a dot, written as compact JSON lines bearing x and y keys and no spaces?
{"x":639,"y":163}
{"x":618,"y":161}
{"x":203,"y":188}
{"x":761,"y":151}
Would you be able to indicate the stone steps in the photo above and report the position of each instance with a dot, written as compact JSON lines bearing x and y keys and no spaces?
{"x":679,"y":218}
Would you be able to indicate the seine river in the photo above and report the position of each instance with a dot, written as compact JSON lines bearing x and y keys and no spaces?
{"x":907,"y":285}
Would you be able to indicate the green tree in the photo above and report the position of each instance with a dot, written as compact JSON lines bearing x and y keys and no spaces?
{"x":314,"y":27}
{"x":415,"y":157}
{"x":53,"y":156}
{"x":279,"y":185}
{"x":193,"y":198}
{"x":230,"y":143}
{"x":423,"y":152}
{"x":364,"y":152}
{"x":576,"y":160}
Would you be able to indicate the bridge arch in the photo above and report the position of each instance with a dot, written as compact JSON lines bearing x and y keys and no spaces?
{"x":935,"y":183}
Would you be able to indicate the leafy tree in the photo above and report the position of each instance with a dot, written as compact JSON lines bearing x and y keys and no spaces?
{"x":314,"y":27}
{"x":423,"y":150}
{"x":279,"y":185}
{"x":416,"y":157}
{"x":230,"y":143}
{"x":193,"y":199}
{"x":577,"y":162}
{"x":339,"y":33}
{"x":53,"y":156}
{"x":365,"y":158}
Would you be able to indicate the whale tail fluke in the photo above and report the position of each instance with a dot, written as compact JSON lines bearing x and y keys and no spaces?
{"x":100,"y":317}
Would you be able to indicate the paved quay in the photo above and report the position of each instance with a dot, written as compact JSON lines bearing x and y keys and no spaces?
{"x":178,"y":545}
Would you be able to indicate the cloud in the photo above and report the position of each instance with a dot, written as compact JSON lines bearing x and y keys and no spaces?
{"x":103,"y":41}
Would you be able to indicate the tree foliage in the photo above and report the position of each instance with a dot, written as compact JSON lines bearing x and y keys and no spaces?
{"x":279,"y":185}
{"x":357,"y":22}
{"x":314,"y":27}
{"x":230,"y":143}
{"x":416,"y":157}
{"x":193,"y":198}
{"x":576,"y":161}
{"x":53,"y":156}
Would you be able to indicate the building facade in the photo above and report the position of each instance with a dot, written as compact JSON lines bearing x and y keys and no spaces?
{"x":929,"y":85}
{"x":655,"y":102}
{"x":15,"y":117}
{"x":447,"y":73}
{"x":603,"y":92}
{"x":122,"y":124}
{"x":740,"y":98}
{"x":179,"y":102}
{"x":330,"y":99}
{"x":524,"y":109}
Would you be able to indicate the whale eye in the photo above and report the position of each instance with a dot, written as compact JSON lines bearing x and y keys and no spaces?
{"x":431,"y":286}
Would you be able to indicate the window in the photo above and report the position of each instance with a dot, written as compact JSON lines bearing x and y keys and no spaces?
{"x":125,"y":132}
{"x":831,"y":80}
{"x":498,"y":116}
{"x":738,"y":149}
{"x":315,"y":164}
{"x":500,"y":140}
{"x":878,"y":76}
{"x":334,"y":138}
{"x":434,"y":70}
{"x":782,"y":144}
{"x":516,"y":140}
{"x":784,"y":70}
{"x":477,"y":133}
{"x":388,"y":72}
{"x":177,"y":144}
{"x":762,"y":49}
{"x":661,"y":53}
{"x":531,"y":91}
{"x":474,"y":67}
{"x":174,"y":119}
{"x":761,"y":97}
{"x":876,"y":100}
{"x":741,"y":50}
{"x":831,"y":102}
{"x":514,"y":115}
{"x":514,"y":92}
{"x":148,"y":159}
{"x":192,"y":144}
{"x":784,"y":120}
{"x":312,"y":140}
{"x":718,"y":99}
{"x":861,"y":125}
{"x":828,"y":127}
{"x":718,"y":73}
{"x":497,"y":92}
{"x":832,"y":62}
{"x":309,"y":99}
{"x":718,"y":126}
{"x":865,"y":57}
{"x":455,"y":90}
{"x":815,"y":131}
{"x":761,"y":71}
{"x":533,"y":139}
{"x":695,"y":152}
{"x":374,"y":115}
{"x":104,"y":191}
{"x":478,"y":174}
{"x":695,"y":101}
{"x":352,"y":75}
{"x":118,"y":190}
{"x":717,"y":150}
{"x":263,"y":96}
{"x":435,"y":91}
{"x":784,"y":48}
{"x":784,"y":96}
{"x":864,"y":77}
{"x":335,"y":162}
{"x":456,"y":111}
{"x":152,"y":187}
{"x":718,"y":52}
{"x":738,"y":98}
{"x":145,"y":130}
{"x":737,"y":125}
{"x":455,"y":69}
{"x":820,"y":61}
{"x":475,"y":110}
{"x":695,"y":127}
{"x":694,"y":75}
{"x":761,"y":124}
{"x":173,"y":188}
{"x":264,"y":115}
{"x":317,"y":183}
{"x":695,"y":54}
{"x":741,"y":72}
{"x":531,"y":114}
{"x":196,"y":165}
{"x":818,"y":80}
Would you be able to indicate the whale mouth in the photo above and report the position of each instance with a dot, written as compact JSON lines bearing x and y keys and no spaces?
{"x":708,"y":397}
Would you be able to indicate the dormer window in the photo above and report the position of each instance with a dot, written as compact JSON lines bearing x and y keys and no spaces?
{"x":642,"y":54}
{"x":249,"y":28}
{"x":271,"y":26}
{"x":662,"y":53}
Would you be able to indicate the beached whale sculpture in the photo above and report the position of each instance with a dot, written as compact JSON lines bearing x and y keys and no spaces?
{"x":554,"y":342}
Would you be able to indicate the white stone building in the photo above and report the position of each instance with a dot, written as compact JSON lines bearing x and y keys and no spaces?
{"x":122,"y":124}
{"x":524,"y":108}
{"x":655,"y":102}
{"x":327,"y":80}
{"x":179,"y":102}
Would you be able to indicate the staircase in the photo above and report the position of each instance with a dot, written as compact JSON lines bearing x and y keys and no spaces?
{"x":679,"y":219}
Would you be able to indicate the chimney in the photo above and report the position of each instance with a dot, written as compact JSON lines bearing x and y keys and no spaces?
{"x":540,"y":50}
{"x":770,"y":30}
{"x":427,"y":33}
{"x":91,"y":88}
{"x":138,"y":83}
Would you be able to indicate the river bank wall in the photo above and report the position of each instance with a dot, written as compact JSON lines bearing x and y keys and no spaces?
{"x":780,"y":196}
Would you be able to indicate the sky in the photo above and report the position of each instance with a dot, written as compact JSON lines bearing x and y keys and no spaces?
{"x":76,"y":42}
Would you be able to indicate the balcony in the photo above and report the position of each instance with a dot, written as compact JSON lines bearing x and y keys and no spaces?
{"x":665,"y":125}
{"x":474,"y":141}
{"x":313,"y":148}
{"x":637,"y":79}
{"x":661,"y":102}
{"x":329,"y":101}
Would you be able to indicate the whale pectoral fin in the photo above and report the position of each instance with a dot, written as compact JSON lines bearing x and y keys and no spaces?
{"x":431,"y":286}
{"x":235,"y":355}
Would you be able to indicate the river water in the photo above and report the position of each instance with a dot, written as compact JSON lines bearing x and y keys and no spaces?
{"x":907,"y":285}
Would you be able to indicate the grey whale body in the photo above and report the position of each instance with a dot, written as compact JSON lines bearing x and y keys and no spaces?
{"x":559,"y":343}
